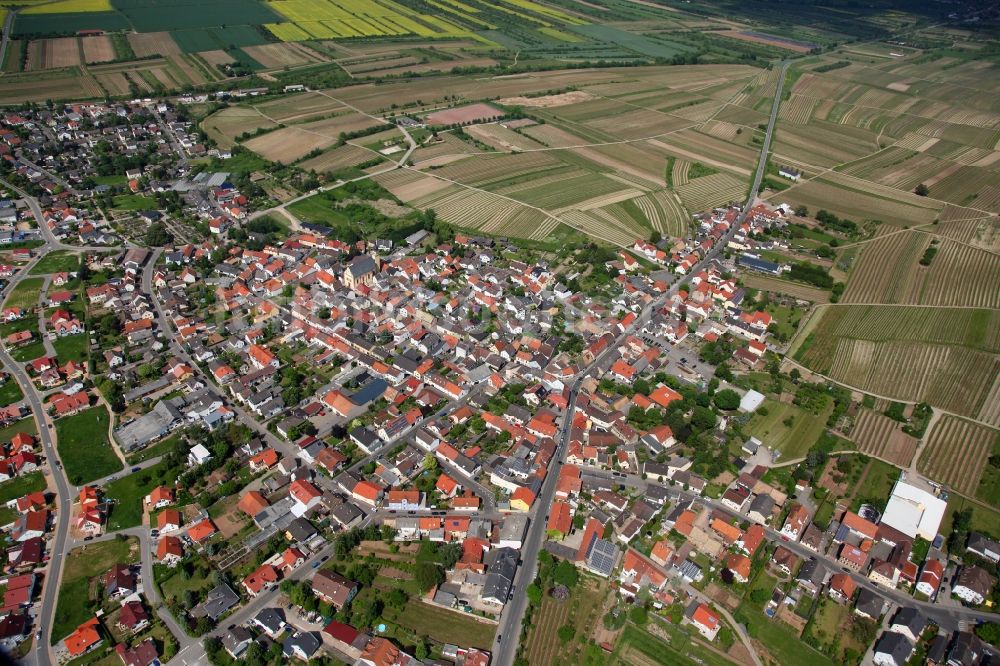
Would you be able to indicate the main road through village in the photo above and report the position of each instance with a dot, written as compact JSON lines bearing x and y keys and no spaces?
{"x":509,"y":633}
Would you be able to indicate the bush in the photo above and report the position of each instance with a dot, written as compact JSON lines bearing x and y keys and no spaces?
{"x":566,"y":633}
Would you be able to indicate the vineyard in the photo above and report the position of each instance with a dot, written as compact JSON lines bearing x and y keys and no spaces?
{"x":665,"y":213}
{"x":882,"y":437}
{"x":978,"y":329}
{"x":956,"y":453}
{"x":957,"y":379}
{"x":888,"y":271}
{"x":710,"y":191}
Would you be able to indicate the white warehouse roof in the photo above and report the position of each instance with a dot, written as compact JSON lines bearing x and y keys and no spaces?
{"x":913,"y":511}
{"x":751,"y":401}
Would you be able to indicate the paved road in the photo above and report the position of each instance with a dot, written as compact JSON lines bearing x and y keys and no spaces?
{"x":57,"y":545}
{"x":945,"y":616}
{"x":513,"y":612}
{"x":48,"y":174}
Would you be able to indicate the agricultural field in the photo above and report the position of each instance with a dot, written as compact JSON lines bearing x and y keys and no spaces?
{"x":329,"y":19}
{"x":889,"y":270}
{"x":881,"y":437}
{"x":947,"y":358}
{"x":794,"y":289}
{"x":957,"y":453}
{"x":291,"y":143}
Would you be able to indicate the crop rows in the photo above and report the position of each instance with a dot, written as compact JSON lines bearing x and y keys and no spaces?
{"x":497,"y":169}
{"x":880,"y":436}
{"x":954,"y":378}
{"x":590,"y":223}
{"x":711,"y":191}
{"x":328,"y":19}
{"x":962,"y":275}
{"x":887,"y":269}
{"x":675,"y":216}
{"x":797,"y":109}
{"x":956,"y":453}
{"x":679,"y":174}
{"x":979,"y":329}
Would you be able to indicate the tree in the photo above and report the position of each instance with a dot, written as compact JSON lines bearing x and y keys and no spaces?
{"x":428,"y":575}
{"x":566,"y":633}
{"x":727,"y":399}
{"x":638,"y":615}
{"x":566,"y":574}
{"x":921,"y":190}
{"x":534,"y":594}
{"x":702,"y":418}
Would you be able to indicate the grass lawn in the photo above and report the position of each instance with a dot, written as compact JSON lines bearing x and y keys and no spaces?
{"x":442,"y":625}
{"x":10,"y":392}
{"x":778,"y":639}
{"x":25,"y":294}
{"x":876,"y":484}
{"x":637,"y":646}
{"x":830,"y":628}
{"x":158,"y":449}
{"x":174,"y":586}
{"x":27,"y":323}
{"x":24,"y":425}
{"x":84,"y":448}
{"x":128,"y":493}
{"x":21,"y":486}
{"x":57,"y":262}
{"x":134,"y":202}
{"x":788,"y":428}
{"x":319,"y":209}
{"x":72,"y":348}
{"x":29,"y":352}
{"x":75,"y":605}
{"x":983,"y":520}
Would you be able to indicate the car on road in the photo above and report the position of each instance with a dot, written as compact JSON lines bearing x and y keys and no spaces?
{"x":87,"y":538}
{"x":324,"y":558}
{"x":315,"y":565}
{"x":136,"y":469}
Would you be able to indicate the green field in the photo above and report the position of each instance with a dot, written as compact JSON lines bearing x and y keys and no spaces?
{"x":876,"y":484}
{"x":442,"y":625}
{"x":29,"y":352}
{"x":792,"y":437}
{"x":128,"y":492}
{"x":68,"y":24}
{"x":24,"y":425}
{"x":134,"y":202}
{"x":72,"y":347}
{"x":25,"y":294}
{"x":778,"y":639}
{"x":209,"y":38}
{"x":56,"y":262}
{"x":21,"y":486}
{"x":76,"y":602}
{"x":10,"y":392}
{"x":84,"y":448}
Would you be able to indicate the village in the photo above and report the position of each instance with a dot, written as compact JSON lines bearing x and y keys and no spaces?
{"x":280,"y":445}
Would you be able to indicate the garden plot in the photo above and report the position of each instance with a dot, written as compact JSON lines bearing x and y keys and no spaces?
{"x":97,"y":48}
